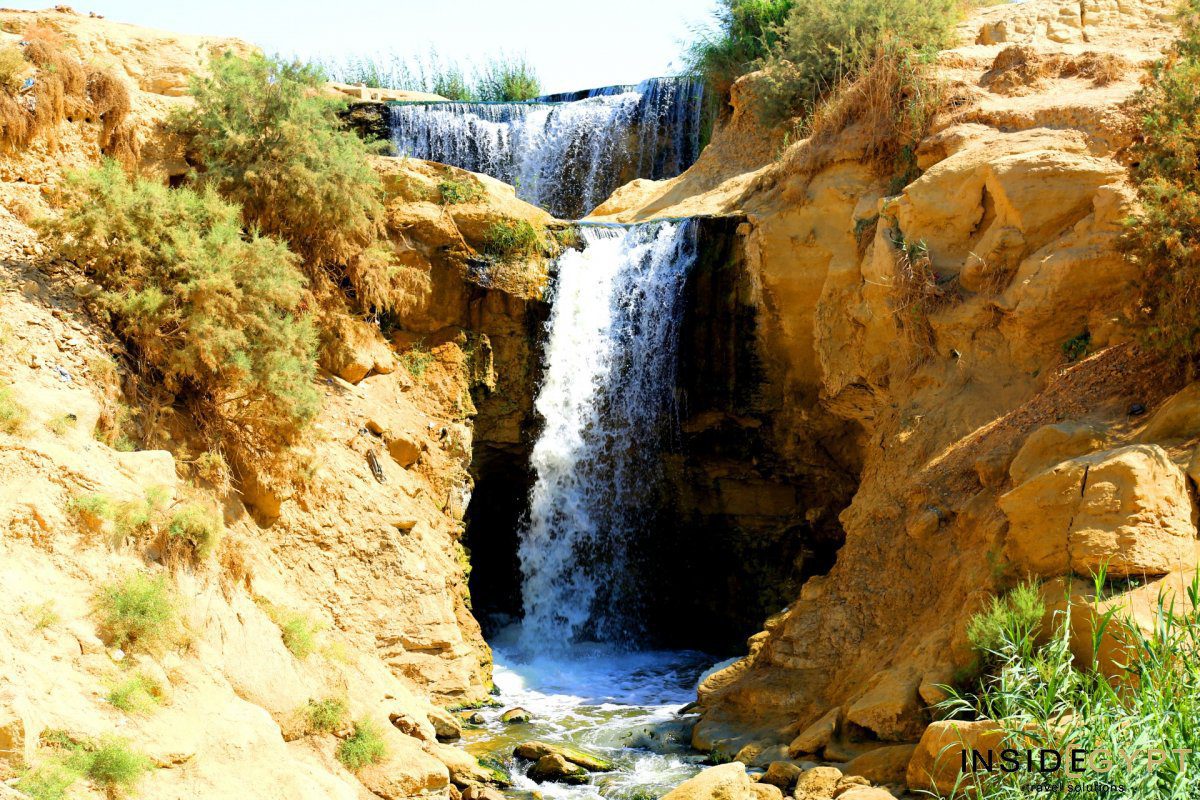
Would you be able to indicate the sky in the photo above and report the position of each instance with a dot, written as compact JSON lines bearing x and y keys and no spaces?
{"x":573,"y":45}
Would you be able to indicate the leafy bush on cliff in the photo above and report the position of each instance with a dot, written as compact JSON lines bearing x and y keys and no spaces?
{"x":744,"y":32}
{"x":213,"y":311}
{"x":266,"y":139}
{"x":509,"y":240}
{"x":824,"y":42}
{"x":365,"y":746}
{"x":1046,"y":696}
{"x":136,"y":611}
{"x":1164,"y":238}
{"x":1015,"y":615}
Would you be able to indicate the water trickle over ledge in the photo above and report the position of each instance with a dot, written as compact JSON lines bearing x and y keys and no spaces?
{"x":568,"y":152}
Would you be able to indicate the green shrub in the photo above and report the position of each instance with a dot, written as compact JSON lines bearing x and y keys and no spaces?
{"x":824,"y":42}
{"x":91,"y":510}
{"x":325,"y":716}
{"x":742,"y":34}
{"x":1048,"y":696}
{"x":13,"y":415}
{"x":213,"y":310}
{"x":137,"y":611}
{"x":365,"y":746}
{"x":114,"y":766}
{"x":299,"y":635}
{"x":268,"y":140}
{"x":1015,"y":616}
{"x":199,"y":525}
{"x":1164,"y":239}
{"x":511,"y":239}
{"x":137,"y":693}
{"x":454,"y":192}
{"x":507,"y":78}
{"x":416,"y":360}
{"x":48,"y":781}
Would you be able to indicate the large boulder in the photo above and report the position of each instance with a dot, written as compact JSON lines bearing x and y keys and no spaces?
{"x":20,"y":727}
{"x":936,"y":763}
{"x":890,"y":707}
{"x":532,"y":751}
{"x":818,"y":783}
{"x":724,"y":782}
{"x":1126,"y":510}
{"x":555,"y":768}
{"x":816,"y":735}
{"x":1053,"y":444}
{"x":883,"y":764}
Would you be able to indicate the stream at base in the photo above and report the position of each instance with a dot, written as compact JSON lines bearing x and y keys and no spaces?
{"x":617,"y":704}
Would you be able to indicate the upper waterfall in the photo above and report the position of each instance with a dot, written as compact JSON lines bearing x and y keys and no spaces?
{"x":608,"y":401}
{"x":567,"y":152}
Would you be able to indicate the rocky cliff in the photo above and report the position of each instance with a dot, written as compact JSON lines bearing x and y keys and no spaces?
{"x":351,"y":588}
{"x":998,"y":420}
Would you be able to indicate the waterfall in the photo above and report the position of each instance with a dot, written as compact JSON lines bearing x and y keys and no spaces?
{"x":566,"y":156}
{"x":608,"y":402}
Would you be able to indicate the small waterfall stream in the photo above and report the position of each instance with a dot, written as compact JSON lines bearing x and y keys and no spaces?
{"x":608,"y":401}
{"x":567,"y":152}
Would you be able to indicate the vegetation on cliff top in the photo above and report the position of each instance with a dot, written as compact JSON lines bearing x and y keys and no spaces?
{"x":266,"y":139}
{"x":503,"y":77}
{"x":1164,"y":238}
{"x":808,"y":48}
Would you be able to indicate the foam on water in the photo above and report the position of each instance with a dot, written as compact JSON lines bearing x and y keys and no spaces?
{"x":615,"y":703}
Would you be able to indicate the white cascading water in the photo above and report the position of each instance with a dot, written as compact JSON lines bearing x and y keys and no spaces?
{"x":608,"y":401}
{"x":566,"y":156}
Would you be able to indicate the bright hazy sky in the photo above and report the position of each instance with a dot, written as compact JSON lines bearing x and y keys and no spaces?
{"x":574,"y":45}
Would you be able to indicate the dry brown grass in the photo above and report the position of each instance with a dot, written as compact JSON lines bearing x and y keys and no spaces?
{"x":917,"y":293}
{"x":1019,"y":69}
{"x":882,"y":114}
{"x":63,"y":90}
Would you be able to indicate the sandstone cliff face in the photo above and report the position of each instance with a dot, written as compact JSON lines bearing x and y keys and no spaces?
{"x":1018,"y":210}
{"x":367,"y":554}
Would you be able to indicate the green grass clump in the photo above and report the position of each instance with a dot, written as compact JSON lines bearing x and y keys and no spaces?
{"x":212,"y":309}
{"x":114,"y":766}
{"x":42,"y":615}
{"x":299,"y":635}
{"x":110,"y":765}
{"x":135,"y":694}
{"x":62,"y":424}
{"x":325,"y":716}
{"x":91,"y":510}
{"x":48,"y":781}
{"x":511,"y":239}
{"x":13,"y":415}
{"x":1163,"y":238}
{"x":199,"y":525}
{"x":137,"y":611}
{"x":507,"y":78}
{"x":365,"y":746}
{"x":416,"y":361}
{"x":1017,"y":613}
{"x":1045,"y":695}
{"x":455,"y":192}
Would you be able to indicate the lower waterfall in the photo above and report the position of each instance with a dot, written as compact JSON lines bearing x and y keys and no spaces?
{"x":564,"y":155}
{"x":607,"y":398}
{"x":608,"y":402}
